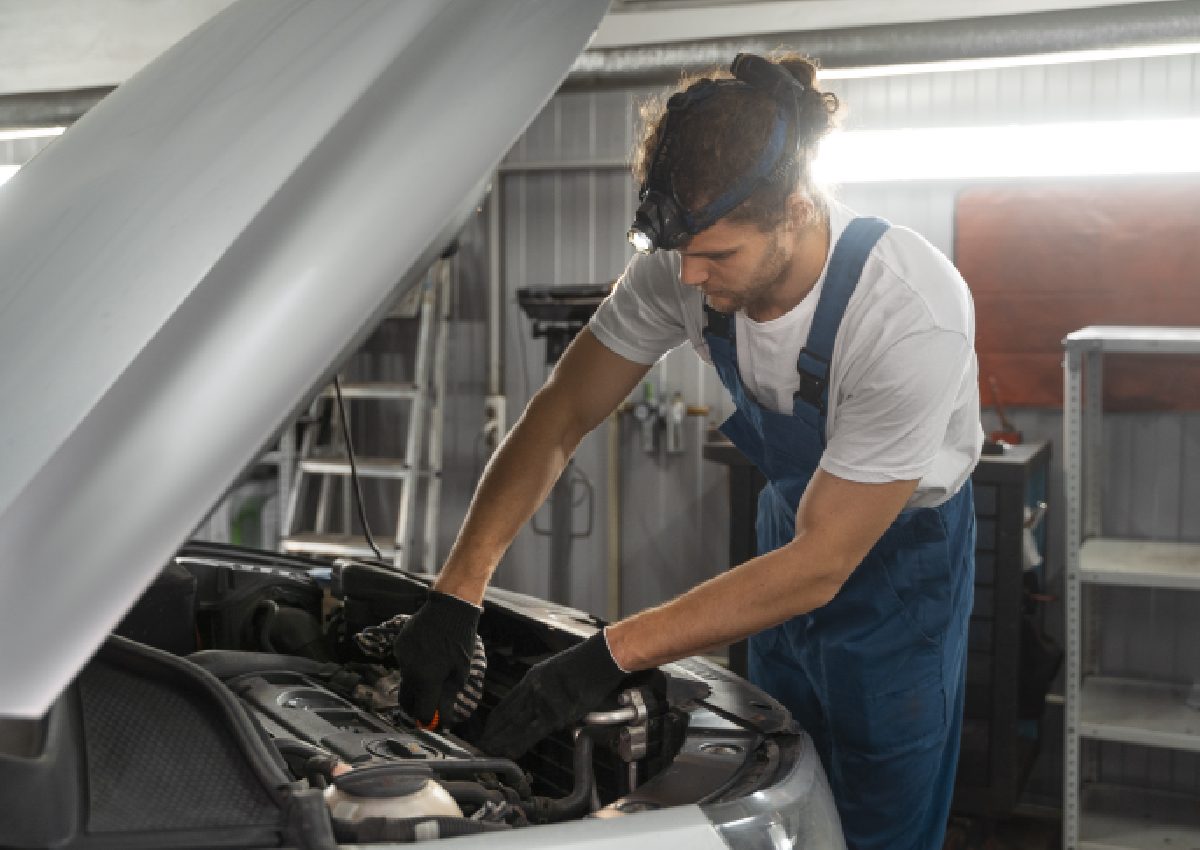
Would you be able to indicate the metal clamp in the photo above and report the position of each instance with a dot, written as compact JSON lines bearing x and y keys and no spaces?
{"x":632,"y":739}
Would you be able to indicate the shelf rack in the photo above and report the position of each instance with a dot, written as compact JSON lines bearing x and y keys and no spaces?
{"x":1138,"y":712}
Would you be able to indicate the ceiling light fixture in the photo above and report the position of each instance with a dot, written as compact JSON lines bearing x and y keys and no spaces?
{"x":1081,"y":149}
{"x":30,"y":133}
{"x":1148,"y":51}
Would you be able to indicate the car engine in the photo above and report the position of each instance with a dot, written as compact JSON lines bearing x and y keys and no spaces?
{"x":233,"y":706}
{"x":335,"y":719}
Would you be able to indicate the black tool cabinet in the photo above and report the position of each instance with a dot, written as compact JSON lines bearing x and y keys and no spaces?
{"x":998,"y":747}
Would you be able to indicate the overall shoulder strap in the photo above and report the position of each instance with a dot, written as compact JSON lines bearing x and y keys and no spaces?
{"x":845,"y":266}
{"x":718,"y":324}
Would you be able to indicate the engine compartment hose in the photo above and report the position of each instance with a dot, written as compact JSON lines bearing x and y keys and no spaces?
{"x":227,"y":663}
{"x":270,"y":610}
{"x":307,"y":761}
{"x":465,"y":791}
{"x":578,"y":802}
{"x":294,"y":631}
{"x":507,"y":769}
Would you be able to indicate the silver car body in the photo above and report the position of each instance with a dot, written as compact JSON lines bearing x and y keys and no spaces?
{"x":186,"y":263}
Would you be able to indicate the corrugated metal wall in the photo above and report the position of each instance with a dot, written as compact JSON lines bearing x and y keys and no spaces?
{"x":566,"y":226}
{"x":20,"y":151}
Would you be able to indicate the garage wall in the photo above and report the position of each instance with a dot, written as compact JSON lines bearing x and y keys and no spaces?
{"x":20,"y":151}
{"x":567,"y":226}
{"x":59,"y":45}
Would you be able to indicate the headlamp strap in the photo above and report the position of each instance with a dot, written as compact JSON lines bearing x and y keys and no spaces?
{"x":746,"y":183}
{"x":850,"y":254}
{"x":663,"y":220}
{"x":659,"y":176}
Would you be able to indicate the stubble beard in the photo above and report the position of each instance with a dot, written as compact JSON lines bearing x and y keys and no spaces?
{"x":766,"y":280}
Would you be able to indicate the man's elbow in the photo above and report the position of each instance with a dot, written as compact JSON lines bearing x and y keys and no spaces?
{"x":560,"y":420}
{"x":825,"y":571}
{"x":827,"y":586}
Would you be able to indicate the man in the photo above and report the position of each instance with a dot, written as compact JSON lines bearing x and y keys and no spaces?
{"x":847,"y":346}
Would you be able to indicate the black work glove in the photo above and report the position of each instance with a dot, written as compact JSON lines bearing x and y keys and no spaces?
{"x":553,"y":694}
{"x":434,"y":650}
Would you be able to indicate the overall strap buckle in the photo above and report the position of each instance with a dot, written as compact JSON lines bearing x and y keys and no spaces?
{"x":845,"y":267}
{"x":718,"y":323}
{"x":814,"y":379}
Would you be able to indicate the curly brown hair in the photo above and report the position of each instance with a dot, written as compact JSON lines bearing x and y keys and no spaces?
{"x":722,"y":138}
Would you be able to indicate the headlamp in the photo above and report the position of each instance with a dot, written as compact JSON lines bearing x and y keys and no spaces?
{"x":661,"y":220}
{"x":640,"y":240}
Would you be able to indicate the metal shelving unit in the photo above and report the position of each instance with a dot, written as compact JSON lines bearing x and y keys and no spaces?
{"x":1129,"y":711}
{"x":1140,"y":563}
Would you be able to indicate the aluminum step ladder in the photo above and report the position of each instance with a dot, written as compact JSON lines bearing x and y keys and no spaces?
{"x":326,"y":465}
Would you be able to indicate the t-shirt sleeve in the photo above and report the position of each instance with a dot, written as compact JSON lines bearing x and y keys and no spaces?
{"x":642,"y":319}
{"x":890,"y":426}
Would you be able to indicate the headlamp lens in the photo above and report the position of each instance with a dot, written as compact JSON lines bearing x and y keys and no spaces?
{"x":641,"y":243}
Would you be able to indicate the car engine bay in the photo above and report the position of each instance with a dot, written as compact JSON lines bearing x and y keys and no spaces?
{"x":244,"y":664}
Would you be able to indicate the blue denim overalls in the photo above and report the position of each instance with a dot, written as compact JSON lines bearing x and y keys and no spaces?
{"x":877,"y":675}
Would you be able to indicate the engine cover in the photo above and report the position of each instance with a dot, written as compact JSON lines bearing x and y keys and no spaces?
{"x":291,"y":705}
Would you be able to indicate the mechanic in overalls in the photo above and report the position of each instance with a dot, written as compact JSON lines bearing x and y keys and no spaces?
{"x":847,"y":347}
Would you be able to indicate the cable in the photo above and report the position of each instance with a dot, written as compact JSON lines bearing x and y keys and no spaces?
{"x":358,"y":496}
{"x":271,"y":610}
{"x":524,"y":364}
{"x":477,"y":461}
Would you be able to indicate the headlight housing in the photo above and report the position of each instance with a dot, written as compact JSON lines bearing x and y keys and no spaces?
{"x":797,"y":811}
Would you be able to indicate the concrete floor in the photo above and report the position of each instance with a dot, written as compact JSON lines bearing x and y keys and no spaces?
{"x":1014,"y":833}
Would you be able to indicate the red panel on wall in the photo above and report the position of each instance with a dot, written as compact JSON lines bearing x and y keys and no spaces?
{"x":1048,"y":259}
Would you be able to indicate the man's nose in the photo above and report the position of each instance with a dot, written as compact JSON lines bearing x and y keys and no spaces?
{"x":692,"y":271}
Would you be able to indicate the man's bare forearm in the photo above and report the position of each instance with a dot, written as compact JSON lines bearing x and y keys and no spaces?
{"x":758,"y":594}
{"x":514,"y":484}
{"x":585,"y":387}
{"x":837,"y":523}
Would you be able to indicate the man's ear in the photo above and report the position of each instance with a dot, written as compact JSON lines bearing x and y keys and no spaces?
{"x":801,"y":211}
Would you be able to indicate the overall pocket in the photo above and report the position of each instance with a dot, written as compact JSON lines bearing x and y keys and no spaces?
{"x":918,"y":575}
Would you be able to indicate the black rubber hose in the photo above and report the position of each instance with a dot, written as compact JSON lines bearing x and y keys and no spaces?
{"x":306,"y":760}
{"x":294,"y":747}
{"x":227,"y":663}
{"x":506,"y":768}
{"x":575,"y":804}
{"x":359,"y":502}
{"x":295,"y":631}
{"x":464,"y":791}
{"x":270,"y":609}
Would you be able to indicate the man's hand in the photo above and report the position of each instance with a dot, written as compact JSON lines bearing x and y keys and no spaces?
{"x":553,"y":694}
{"x":434,"y":653}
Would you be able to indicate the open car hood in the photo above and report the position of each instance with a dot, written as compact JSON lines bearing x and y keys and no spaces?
{"x":185,"y":265}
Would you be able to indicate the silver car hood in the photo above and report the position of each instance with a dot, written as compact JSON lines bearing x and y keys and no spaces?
{"x":182,"y":268}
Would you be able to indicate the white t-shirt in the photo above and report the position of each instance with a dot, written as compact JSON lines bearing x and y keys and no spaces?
{"x":904,"y":393}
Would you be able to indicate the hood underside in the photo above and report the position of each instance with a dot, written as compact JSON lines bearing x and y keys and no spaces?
{"x":185,"y":265}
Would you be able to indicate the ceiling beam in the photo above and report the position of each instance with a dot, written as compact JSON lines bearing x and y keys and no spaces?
{"x":686,"y":23}
{"x":1066,"y":31}
{"x":65,"y":45}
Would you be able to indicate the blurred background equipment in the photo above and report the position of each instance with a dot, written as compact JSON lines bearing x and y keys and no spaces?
{"x":393,"y":443}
